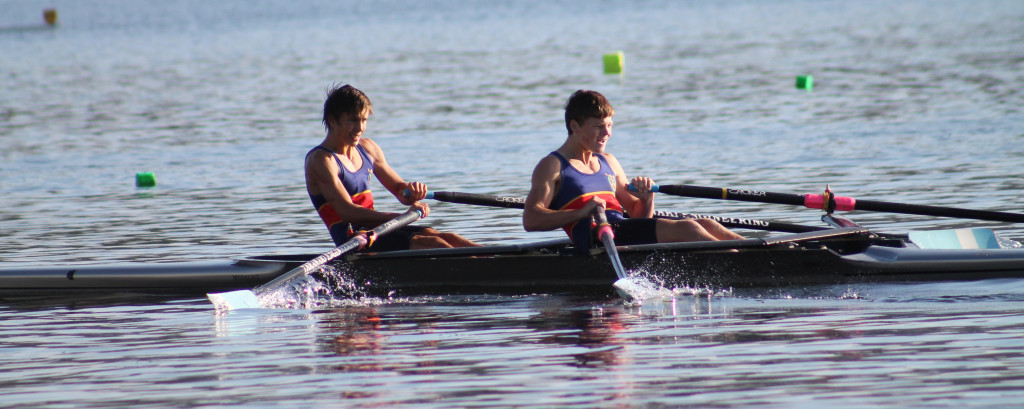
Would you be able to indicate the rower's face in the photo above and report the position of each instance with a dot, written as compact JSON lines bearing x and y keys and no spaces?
{"x":351,"y":126}
{"x":594,"y":133}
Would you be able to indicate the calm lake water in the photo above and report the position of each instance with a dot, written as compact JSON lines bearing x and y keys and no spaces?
{"x":913,"y":101}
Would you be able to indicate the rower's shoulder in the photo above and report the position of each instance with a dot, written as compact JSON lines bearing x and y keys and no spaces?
{"x":319,"y":155}
{"x":368,"y":143}
{"x":548,"y":169}
{"x":608,"y":156}
{"x":549,"y":161}
{"x":371,"y":148}
{"x":611,"y":159}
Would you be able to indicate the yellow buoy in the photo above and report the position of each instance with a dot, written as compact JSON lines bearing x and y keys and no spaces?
{"x":614,"y":63}
{"x":50,"y":16}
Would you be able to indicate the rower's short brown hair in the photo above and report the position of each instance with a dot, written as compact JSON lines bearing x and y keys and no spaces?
{"x":585,"y":104}
{"x":345,"y":100}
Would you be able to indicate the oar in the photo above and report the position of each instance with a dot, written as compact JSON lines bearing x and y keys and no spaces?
{"x":604,"y":232}
{"x":249,"y":299}
{"x":830,"y":202}
{"x":511,"y":202}
{"x":514,"y":202}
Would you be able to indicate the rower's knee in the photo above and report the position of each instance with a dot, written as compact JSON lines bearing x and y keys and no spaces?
{"x":429,"y":231}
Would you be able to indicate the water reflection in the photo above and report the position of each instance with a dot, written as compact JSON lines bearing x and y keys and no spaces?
{"x":595,"y":329}
{"x":354,"y":332}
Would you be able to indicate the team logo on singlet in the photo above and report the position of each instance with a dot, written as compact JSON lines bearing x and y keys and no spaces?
{"x":611,"y":181}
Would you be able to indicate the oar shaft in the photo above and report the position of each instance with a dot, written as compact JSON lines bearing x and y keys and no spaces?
{"x":941,"y":211}
{"x":839,"y":202}
{"x":478,"y":199}
{"x":514,"y":202}
{"x":730,"y":194}
{"x":604,"y":232}
{"x":354,"y":243}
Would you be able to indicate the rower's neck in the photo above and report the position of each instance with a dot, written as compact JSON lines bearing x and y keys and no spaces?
{"x":570,"y":151}
{"x":336,"y":147}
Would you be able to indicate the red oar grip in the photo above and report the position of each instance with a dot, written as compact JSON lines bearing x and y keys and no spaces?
{"x":820,"y":202}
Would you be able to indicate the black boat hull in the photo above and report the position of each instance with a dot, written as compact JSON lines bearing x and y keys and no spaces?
{"x":829,"y":257}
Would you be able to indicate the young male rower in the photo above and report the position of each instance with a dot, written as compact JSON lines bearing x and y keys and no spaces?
{"x":338,"y":175}
{"x":569,"y":183}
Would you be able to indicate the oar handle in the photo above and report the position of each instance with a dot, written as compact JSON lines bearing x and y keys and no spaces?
{"x":632,"y":187}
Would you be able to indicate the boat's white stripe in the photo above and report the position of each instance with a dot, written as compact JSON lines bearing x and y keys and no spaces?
{"x":966,"y":238}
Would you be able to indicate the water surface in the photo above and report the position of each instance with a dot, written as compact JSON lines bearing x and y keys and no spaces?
{"x":914,"y":102}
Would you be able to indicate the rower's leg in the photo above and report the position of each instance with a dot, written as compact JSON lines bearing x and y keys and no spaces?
{"x":448,"y":239}
{"x":672,"y":231}
{"x":716,"y":229}
{"x":425,"y":241}
{"x":456,"y":240}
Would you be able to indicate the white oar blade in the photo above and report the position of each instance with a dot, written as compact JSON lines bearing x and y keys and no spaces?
{"x":234,"y":300}
{"x":627,"y":289}
{"x":638,"y":288}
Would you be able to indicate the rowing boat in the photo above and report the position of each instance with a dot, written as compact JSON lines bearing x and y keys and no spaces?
{"x":833,"y":256}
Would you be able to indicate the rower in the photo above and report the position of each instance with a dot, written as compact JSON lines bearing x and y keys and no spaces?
{"x":569,"y":183}
{"x":338,"y":175}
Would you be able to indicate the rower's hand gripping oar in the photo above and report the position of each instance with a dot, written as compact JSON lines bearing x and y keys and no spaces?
{"x":623,"y":285}
{"x":249,"y":299}
{"x":830,"y":202}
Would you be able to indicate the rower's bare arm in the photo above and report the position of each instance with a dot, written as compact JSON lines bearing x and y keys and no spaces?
{"x":537,"y":215}
{"x":390,"y":178}
{"x":637,"y":204}
{"x":323,"y":170}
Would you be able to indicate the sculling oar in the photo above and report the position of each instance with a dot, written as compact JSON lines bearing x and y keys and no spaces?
{"x":830,"y":202}
{"x":511,"y":202}
{"x":249,"y":299}
{"x":604,"y":231}
{"x":514,"y":202}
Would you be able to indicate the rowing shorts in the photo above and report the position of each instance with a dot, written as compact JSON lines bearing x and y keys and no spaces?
{"x":396,"y":240}
{"x":635,"y":231}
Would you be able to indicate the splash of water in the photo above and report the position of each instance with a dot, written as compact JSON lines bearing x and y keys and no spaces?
{"x":1007,"y":243}
{"x":643,"y":285}
{"x":327,"y":287}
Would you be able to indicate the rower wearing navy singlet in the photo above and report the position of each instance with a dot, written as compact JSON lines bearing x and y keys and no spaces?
{"x":357,"y":184}
{"x":580,"y":176}
{"x":577,"y":188}
{"x":338,"y":173}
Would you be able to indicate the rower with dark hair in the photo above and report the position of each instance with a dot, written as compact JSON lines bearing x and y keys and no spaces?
{"x":338,"y":175}
{"x":579,"y":176}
